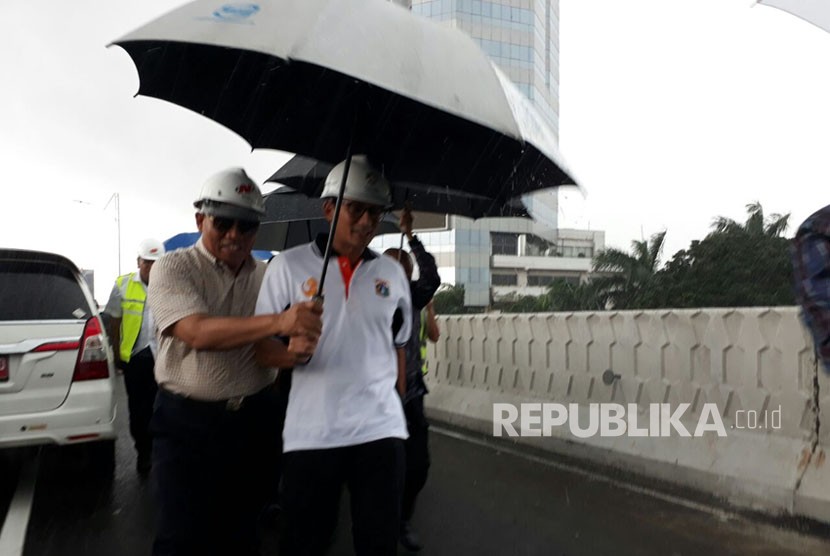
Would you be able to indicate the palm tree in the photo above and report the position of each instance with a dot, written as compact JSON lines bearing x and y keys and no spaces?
{"x":565,"y":296}
{"x":756,"y":224}
{"x":628,"y":275}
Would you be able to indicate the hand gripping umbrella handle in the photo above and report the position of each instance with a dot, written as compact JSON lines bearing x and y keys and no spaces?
{"x":317,"y":298}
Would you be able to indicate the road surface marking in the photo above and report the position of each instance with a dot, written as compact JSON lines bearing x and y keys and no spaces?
{"x":13,"y":534}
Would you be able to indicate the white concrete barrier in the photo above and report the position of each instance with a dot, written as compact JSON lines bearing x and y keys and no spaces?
{"x":749,"y":363}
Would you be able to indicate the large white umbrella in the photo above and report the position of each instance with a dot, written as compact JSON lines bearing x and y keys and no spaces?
{"x":306,"y":76}
{"x":816,"y":12}
{"x":328,"y":78}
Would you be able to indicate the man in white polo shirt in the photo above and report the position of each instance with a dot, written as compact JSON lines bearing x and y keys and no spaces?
{"x":345,"y":423}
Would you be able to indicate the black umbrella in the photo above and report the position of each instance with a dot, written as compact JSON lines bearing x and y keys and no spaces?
{"x":293,"y":219}
{"x":307,"y":175}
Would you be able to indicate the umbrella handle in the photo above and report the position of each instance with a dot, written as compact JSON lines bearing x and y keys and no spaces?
{"x":337,"y":205}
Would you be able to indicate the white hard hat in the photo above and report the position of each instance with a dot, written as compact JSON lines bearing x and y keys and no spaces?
{"x":232,"y":194}
{"x":150,"y":249}
{"x":364,"y":183}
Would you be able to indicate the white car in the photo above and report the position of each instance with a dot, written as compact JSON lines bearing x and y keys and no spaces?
{"x":57,"y":378}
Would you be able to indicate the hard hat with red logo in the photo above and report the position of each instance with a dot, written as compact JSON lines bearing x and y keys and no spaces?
{"x":150,"y":249}
{"x":231,"y":194}
{"x":364,"y":184}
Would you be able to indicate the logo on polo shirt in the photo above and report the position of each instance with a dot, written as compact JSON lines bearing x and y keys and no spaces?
{"x":382,"y":288}
{"x":310,"y":287}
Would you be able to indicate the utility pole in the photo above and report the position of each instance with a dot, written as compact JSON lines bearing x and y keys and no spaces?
{"x":115,"y":197}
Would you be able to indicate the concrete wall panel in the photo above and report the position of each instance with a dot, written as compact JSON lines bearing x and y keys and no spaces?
{"x":749,"y":362}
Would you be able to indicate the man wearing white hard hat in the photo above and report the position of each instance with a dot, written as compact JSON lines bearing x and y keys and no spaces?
{"x":345,"y":423}
{"x":215,"y":423}
{"x":132,"y":333}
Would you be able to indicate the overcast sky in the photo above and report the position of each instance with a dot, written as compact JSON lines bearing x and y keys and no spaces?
{"x":672,"y":112}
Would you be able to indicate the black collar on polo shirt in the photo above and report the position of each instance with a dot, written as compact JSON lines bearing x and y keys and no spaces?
{"x":322,"y":239}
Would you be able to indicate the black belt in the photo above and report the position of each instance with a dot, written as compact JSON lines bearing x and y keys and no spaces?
{"x":230,"y":404}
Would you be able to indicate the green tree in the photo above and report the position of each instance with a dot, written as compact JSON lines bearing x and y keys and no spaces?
{"x":756,"y":223}
{"x":736,"y":265}
{"x":625,"y":278}
{"x":449,"y":300}
{"x":565,"y":296}
{"x":523,"y":304}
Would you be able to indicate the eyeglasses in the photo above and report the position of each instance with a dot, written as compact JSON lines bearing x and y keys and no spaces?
{"x":357,"y":210}
{"x":223,"y":225}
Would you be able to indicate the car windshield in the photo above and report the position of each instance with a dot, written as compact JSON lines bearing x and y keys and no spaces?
{"x":33,"y":290}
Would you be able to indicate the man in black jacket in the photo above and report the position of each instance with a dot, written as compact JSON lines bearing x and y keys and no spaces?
{"x":417,"y":449}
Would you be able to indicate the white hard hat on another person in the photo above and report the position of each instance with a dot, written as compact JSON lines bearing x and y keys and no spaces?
{"x":231,"y":194}
{"x":364,"y":184}
{"x":150,"y":249}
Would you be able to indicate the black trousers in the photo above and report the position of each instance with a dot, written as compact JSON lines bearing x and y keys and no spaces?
{"x":141,"y":394}
{"x":282,"y":388}
{"x":313,"y":481}
{"x":417,"y":455}
{"x":214,"y":471}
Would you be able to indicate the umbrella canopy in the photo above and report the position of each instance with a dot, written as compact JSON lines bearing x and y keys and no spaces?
{"x":179,"y":241}
{"x":318,"y":76}
{"x":292,"y":219}
{"x":308,"y":175}
{"x":186,"y":239}
{"x":816,"y":12}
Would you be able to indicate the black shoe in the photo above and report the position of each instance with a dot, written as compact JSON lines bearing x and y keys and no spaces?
{"x":408,"y":539}
{"x":143,"y":463}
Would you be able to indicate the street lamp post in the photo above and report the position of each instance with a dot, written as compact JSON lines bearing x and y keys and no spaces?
{"x":117,"y":202}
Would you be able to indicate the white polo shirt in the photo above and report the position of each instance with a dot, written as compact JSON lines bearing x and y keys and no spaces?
{"x":346,"y":394}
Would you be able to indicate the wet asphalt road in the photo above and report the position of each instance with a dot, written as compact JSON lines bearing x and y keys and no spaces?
{"x":480,"y":500}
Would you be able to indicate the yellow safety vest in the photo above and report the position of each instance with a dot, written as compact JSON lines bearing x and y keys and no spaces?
{"x":133,"y":296}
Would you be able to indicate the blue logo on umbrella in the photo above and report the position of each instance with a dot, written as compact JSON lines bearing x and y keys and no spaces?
{"x":235,"y":13}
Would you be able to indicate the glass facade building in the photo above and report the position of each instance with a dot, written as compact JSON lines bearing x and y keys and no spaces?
{"x":522,"y":38}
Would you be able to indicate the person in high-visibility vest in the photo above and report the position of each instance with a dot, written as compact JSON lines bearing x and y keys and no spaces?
{"x":424,"y":328}
{"x":132,"y":334}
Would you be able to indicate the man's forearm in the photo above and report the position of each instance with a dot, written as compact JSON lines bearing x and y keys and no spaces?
{"x":274,"y":354}
{"x":401,"y":383}
{"x":428,"y":278}
{"x":433,"y":331}
{"x":222,"y":333}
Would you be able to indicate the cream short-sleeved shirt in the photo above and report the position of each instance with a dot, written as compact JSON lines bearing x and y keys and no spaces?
{"x":190,"y":282}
